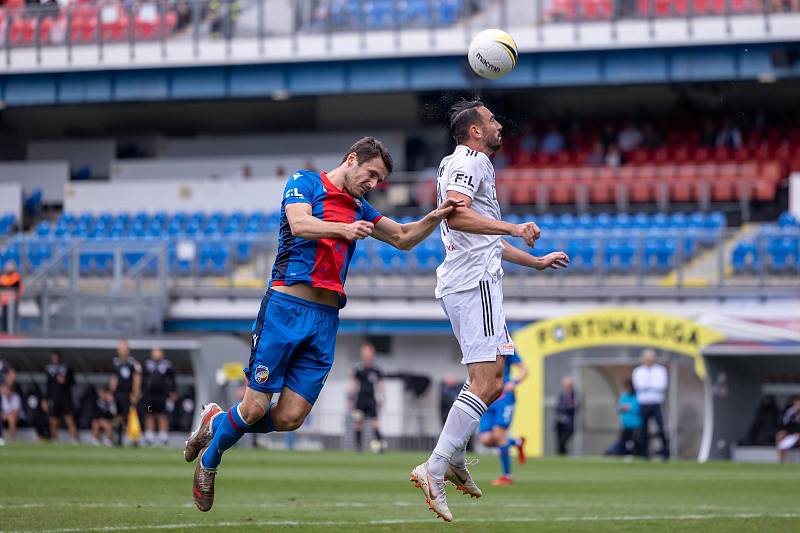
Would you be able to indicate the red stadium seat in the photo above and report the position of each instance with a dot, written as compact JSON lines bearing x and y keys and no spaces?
{"x":601,"y":191}
{"x":771,"y":171}
{"x":722,"y":189}
{"x":680,"y":190}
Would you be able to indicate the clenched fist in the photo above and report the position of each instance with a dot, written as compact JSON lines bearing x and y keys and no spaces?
{"x":529,"y":232}
{"x":360,"y":229}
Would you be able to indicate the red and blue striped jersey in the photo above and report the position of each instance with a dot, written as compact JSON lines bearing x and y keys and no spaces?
{"x":319,"y":263}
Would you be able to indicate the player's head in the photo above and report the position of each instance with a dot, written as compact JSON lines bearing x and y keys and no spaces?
{"x":122,"y":349}
{"x":55,"y":357}
{"x":472,"y":123}
{"x":366,"y":163}
{"x":628,"y":386}
{"x":648,"y":357}
{"x":10,"y":266}
{"x":103,"y":393}
{"x":367,"y":353}
{"x":157,"y":354}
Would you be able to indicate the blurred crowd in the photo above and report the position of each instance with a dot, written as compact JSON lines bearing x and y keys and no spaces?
{"x":134,"y":394}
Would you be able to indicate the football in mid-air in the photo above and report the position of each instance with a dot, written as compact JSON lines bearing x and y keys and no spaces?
{"x":492,"y":54}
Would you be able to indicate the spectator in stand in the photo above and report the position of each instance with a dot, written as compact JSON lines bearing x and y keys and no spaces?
{"x":553,"y":140}
{"x":613,"y":156}
{"x":729,"y":135}
{"x":597,"y":157}
{"x":159,"y":394}
{"x":708,"y":135}
{"x":650,"y":381}
{"x":10,"y":407}
{"x":629,"y":137}
{"x":789,"y":435}
{"x":60,"y":379}
{"x":527,"y":143}
{"x":103,"y":420}
{"x":10,"y":291}
{"x":565,"y":415}
{"x":609,"y":135}
{"x":650,"y":137}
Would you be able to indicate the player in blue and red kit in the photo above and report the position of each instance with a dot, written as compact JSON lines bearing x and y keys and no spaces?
{"x":294,"y":334}
{"x":495,"y":422}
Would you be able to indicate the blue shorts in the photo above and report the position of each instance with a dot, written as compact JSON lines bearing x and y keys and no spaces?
{"x":499,"y":414}
{"x":293,"y":342}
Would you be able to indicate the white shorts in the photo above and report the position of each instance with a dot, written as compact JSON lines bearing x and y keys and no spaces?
{"x":479,"y":322}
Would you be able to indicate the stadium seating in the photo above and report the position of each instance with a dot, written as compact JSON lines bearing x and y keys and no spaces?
{"x":775,"y":248}
{"x":6,"y":223}
{"x":569,"y":10}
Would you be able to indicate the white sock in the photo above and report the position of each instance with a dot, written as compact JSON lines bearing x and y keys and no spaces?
{"x":459,"y":457}
{"x":163,"y":437}
{"x":150,"y":437}
{"x":462,"y":420}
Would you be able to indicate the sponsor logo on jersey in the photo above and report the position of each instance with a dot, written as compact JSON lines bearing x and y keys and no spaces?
{"x":294,"y":193}
{"x":255,"y":340}
{"x":261,"y":374}
{"x":461,"y":178}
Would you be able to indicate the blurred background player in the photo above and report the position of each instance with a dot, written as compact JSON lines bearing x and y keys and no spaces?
{"x":10,"y":407}
{"x":294,"y":334}
{"x":566,"y":408}
{"x":158,"y":389}
{"x":366,"y":388}
{"x":60,"y":379}
{"x":494,"y":424}
{"x":125,"y":385}
{"x":470,"y":290}
{"x":650,"y":381}
{"x":103,"y":420}
{"x":10,"y":291}
{"x":789,"y":434}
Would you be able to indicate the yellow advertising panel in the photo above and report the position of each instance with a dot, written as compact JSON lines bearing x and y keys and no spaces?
{"x":603,"y":327}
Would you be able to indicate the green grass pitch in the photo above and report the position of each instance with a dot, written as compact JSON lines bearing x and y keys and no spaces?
{"x":77,"y":488}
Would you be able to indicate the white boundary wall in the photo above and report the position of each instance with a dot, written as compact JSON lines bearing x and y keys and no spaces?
{"x":49,"y":176}
{"x":174,"y":196}
{"x":11,"y":200}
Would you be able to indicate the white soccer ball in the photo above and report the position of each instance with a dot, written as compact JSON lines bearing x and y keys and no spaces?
{"x":492,"y":54}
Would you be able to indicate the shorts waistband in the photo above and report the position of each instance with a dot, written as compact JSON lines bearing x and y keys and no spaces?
{"x":300,"y":301}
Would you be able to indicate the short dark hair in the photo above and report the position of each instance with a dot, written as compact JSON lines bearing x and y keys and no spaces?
{"x":367,"y":148}
{"x":461,"y":116}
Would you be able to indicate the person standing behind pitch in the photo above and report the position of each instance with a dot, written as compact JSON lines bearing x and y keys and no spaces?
{"x":158,"y":386}
{"x":650,"y":381}
{"x":126,"y":386}
{"x":469,"y":288}
{"x":566,"y":407}
{"x":367,"y":381}
{"x":60,"y":379}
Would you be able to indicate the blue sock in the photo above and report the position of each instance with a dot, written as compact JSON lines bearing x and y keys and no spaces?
{"x":217,"y":421}
{"x":505,"y":459}
{"x":265,"y":425}
{"x":228,"y":431}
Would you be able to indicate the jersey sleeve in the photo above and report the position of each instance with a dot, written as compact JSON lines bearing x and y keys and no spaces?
{"x":299,"y":189}
{"x":369,"y":213}
{"x":465,"y":175}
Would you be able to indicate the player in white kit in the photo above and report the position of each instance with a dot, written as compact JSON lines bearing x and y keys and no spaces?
{"x":469,"y":288}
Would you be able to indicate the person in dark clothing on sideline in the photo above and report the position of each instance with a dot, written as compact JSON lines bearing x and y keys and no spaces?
{"x":158,"y":390}
{"x":565,"y":414}
{"x":60,"y":379}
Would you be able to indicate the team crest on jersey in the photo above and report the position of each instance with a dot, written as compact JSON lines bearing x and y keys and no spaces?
{"x":261,"y":374}
{"x":357,"y":202}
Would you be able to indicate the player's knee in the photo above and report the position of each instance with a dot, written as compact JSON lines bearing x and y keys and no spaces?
{"x":288,"y":421}
{"x":487,"y":439}
{"x":252,"y":412}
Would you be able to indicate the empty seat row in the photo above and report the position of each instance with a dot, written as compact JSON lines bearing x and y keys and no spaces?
{"x":775,"y":248}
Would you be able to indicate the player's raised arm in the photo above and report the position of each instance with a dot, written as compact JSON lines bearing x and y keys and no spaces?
{"x":467,"y":220}
{"x":555,"y":260}
{"x":406,"y":236}
{"x":309,"y":227}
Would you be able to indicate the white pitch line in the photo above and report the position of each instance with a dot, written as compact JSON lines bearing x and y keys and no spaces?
{"x":344,"y":523}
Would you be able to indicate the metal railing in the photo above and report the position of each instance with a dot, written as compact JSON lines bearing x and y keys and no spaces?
{"x":191,"y":22}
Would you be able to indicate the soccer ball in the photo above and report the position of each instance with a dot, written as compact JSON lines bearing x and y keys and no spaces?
{"x":492,"y":54}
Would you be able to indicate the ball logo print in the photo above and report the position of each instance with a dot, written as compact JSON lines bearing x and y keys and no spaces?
{"x":262,"y":374}
{"x":492,"y":54}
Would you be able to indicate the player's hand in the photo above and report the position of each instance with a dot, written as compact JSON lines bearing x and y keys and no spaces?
{"x":447,"y":207}
{"x":529,"y":232}
{"x":360,"y":229}
{"x":555,"y":260}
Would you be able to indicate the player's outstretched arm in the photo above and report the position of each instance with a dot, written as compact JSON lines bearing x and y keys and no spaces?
{"x":468,"y":220}
{"x":406,"y":236}
{"x":307,"y":226}
{"x":555,"y":260}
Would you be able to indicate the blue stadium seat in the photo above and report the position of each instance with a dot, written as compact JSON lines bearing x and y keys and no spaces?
{"x":745,"y":258}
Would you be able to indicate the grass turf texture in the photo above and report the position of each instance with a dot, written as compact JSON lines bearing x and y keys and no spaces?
{"x":77,"y":488}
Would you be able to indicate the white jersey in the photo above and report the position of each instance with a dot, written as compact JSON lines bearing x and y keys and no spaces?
{"x":468,"y":256}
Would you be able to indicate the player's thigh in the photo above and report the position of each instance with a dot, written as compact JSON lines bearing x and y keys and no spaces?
{"x":312,"y":362}
{"x":280,"y":327}
{"x":291,"y":410}
{"x":485,"y":373}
